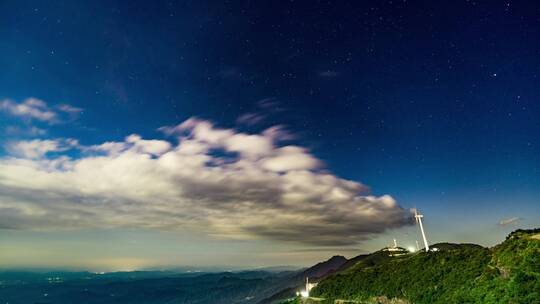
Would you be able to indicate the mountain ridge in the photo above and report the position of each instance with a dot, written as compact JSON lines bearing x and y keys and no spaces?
{"x":457,"y":273}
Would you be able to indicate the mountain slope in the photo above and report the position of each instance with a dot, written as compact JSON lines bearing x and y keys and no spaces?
{"x":507,"y":273}
{"x":351,"y":262}
{"x":323,"y":268}
{"x":289,"y":286}
{"x":512,"y":275}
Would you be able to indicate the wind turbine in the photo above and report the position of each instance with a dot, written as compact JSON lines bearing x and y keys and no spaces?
{"x":418,"y":218}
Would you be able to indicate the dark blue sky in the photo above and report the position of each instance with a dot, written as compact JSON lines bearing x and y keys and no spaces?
{"x":435,"y":103}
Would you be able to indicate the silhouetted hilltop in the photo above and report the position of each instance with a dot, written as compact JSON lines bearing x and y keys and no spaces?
{"x":322,"y":269}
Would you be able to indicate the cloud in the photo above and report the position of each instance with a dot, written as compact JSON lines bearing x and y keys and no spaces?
{"x":269,"y":104}
{"x":262,"y":110}
{"x":291,"y":158}
{"x":69,"y":109}
{"x":153,"y":147}
{"x":250,"y":119}
{"x":509,"y":221}
{"x":217,"y":181}
{"x":38,"y":148}
{"x":29,"y":131}
{"x":36,"y":109}
{"x":30,"y":108}
{"x":278,"y":133}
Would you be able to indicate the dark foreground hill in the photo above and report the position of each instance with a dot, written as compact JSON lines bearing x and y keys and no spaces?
{"x":507,"y":273}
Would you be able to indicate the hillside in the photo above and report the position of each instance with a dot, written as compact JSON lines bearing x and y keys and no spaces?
{"x":507,"y":273}
{"x":351,"y":262}
{"x":288,"y":286}
{"x":323,"y":268}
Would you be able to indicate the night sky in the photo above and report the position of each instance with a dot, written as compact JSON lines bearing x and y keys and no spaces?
{"x":317,"y":125}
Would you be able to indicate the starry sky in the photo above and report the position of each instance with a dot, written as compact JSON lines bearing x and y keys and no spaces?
{"x":254,"y":133}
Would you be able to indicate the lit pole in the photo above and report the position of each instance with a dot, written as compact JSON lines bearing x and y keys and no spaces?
{"x":418,"y":218}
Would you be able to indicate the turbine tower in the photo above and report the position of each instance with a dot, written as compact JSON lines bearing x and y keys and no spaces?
{"x":305,"y":292}
{"x":418,"y":218}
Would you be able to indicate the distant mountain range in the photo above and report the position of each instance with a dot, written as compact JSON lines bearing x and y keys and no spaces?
{"x":456,"y":273}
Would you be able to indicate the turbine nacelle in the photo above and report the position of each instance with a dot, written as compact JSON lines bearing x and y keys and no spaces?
{"x":417,"y":216}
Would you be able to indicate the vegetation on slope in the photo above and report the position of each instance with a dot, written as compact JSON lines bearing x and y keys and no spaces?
{"x":508,"y":273}
{"x":513,"y":274}
{"x":289,"y":286}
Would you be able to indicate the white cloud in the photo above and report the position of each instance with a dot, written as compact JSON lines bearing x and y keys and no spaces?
{"x":154,"y":147}
{"x":133,"y":143}
{"x":38,"y":148}
{"x":250,"y":119}
{"x":249,"y":145}
{"x":262,"y":191}
{"x":36,"y":109}
{"x":110,"y":147}
{"x":69,"y":109}
{"x":509,"y":221}
{"x":278,"y":133}
{"x":30,"y":108}
{"x":290,"y":158}
{"x":19,"y":131}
